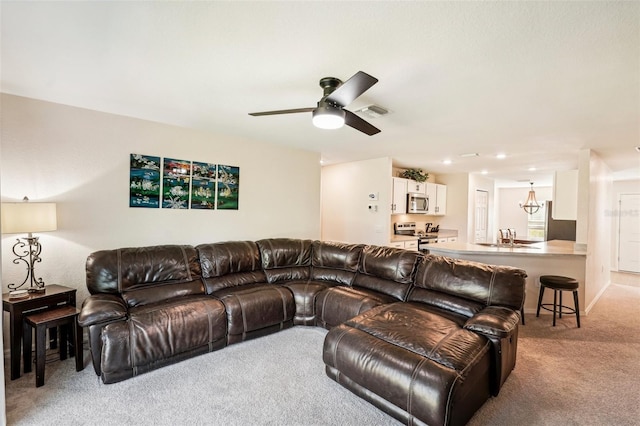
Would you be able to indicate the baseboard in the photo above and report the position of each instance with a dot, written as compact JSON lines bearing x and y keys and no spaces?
{"x":595,"y":299}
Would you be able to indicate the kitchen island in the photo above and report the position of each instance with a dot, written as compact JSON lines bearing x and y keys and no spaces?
{"x":544,"y":258}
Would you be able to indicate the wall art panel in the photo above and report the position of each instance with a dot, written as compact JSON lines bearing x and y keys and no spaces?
{"x":228,"y":187}
{"x":144,"y":181}
{"x":203,"y":186}
{"x":175,"y":184}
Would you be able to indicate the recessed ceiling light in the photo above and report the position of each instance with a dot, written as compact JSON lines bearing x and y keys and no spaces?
{"x":501,"y":156}
{"x":532,"y":169}
{"x":447,"y":161}
{"x":638,"y":148}
{"x":484,"y":172}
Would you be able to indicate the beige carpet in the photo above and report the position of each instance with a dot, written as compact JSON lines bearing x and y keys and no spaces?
{"x":563,"y":376}
{"x":570,"y":376}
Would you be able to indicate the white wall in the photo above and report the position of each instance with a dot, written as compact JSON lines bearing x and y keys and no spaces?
{"x":457,"y":204}
{"x":599,"y":233}
{"x":3,"y":411}
{"x":80,"y":159}
{"x":584,"y":190}
{"x":345,"y":213}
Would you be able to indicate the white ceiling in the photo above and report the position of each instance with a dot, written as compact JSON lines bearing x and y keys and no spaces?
{"x":538,"y":81}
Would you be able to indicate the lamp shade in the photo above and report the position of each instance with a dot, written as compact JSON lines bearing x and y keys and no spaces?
{"x":27,"y":217}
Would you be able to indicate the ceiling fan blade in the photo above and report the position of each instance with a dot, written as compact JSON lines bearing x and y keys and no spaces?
{"x":348,"y":91}
{"x":350,"y":119}
{"x":282,"y":111}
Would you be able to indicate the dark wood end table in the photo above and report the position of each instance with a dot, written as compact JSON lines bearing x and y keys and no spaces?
{"x":54,"y":295}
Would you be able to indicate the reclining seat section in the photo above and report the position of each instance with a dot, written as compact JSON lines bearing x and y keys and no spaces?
{"x":436,"y":358}
{"x":232,"y":273}
{"x":384,"y":276}
{"x":148,"y":309}
{"x":488,"y":297}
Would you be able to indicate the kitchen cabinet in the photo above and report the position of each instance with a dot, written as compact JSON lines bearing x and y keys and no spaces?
{"x":411,"y":245}
{"x":407,"y":245}
{"x":565,"y":195}
{"x":414,"y":186}
{"x":399,"y":196}
{"x":437,"y":194}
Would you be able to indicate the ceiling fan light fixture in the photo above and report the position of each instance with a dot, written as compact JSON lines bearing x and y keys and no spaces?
{"x":328,"y":117}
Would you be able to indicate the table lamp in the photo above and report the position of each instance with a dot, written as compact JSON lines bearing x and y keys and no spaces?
{"x":27,"y":217}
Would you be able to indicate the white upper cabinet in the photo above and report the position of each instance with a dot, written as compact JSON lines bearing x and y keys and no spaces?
{"x":565,"y":195}
{"x":399,"y":196}
{"x":437,"y":194}
{"x":419,"y":187}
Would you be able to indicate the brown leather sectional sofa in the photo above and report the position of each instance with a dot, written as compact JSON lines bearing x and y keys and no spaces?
{"x":425,"y":338}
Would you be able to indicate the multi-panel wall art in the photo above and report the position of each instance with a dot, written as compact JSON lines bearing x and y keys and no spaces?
{"x":183,"y":184}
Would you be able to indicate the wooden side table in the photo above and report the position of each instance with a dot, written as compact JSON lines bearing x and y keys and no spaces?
{"x":66,"y":316}
{"x":55,"y":295}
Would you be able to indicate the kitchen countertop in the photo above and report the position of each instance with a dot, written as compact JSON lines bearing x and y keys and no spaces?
{"x":543,"y":248}
{"x":443,"y":233}
{"x":396,"y":238}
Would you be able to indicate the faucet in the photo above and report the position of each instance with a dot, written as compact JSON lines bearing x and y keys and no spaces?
{"x":506,"y":234}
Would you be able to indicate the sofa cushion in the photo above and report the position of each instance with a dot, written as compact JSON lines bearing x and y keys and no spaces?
{"x":305,"y":294}
{"x":254,"y":307}
{"x":336,"y":305}
{"x":155,"y":334}
{"x":285,"y":259}
{"x":145,"y":274}
{"x":230,"y":264}
{"x":334,"y":262}
{"x":387,"y":270}
{"x":466,"y":286}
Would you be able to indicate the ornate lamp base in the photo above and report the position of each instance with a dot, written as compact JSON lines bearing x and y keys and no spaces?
{"x":27,"y":251}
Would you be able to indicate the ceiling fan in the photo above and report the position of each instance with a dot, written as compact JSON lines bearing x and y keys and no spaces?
{"x":330,"y":112}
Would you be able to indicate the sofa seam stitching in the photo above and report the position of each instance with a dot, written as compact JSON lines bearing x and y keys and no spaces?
{"x":411,"y":384}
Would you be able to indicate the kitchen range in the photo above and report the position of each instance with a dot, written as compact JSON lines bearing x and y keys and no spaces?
{"x":426,"y":237}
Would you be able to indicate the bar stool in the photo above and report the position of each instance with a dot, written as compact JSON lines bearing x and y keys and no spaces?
{"x":559,"y":284}
{"x":42,"y":320}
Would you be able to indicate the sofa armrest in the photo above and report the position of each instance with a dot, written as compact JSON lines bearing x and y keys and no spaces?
{"x":102,"y":309}
{"x":494,"y":321}
{"x":500,"y":326}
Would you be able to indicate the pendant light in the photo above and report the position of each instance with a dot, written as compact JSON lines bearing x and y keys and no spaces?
{"x":531,"y":206}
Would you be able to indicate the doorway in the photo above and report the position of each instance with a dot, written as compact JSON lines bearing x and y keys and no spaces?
{"x":629,"y":233}
{"x":481,"y":216}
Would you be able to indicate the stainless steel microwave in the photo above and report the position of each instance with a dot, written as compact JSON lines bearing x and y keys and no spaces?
{"x":417,"y":203}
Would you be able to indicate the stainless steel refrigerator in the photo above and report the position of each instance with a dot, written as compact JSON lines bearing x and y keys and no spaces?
{"x":559,"y":229}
